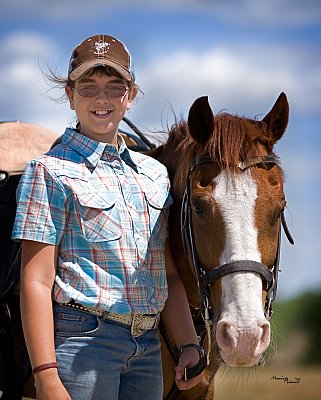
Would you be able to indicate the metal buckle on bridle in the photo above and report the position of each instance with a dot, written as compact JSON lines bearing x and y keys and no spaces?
{"x":208,"y":327}
{"x":268,"y":301}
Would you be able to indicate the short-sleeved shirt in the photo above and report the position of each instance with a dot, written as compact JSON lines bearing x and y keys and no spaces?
{"x":106,"y":209}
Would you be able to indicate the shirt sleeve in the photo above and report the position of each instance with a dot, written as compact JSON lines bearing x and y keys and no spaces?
{"x":41,"y":209}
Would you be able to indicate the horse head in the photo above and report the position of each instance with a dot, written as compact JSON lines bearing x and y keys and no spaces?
{"x":226,"y":174}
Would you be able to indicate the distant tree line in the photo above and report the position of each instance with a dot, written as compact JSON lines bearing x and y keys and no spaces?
{"x":301,"y":315}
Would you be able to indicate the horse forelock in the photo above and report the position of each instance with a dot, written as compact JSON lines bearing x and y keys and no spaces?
{"x":236,"y":139}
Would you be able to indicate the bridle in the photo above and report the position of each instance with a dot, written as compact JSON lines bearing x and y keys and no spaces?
{"x":206,"y":278}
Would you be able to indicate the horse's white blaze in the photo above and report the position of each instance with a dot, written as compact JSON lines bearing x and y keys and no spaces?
{"x":242,"y":327}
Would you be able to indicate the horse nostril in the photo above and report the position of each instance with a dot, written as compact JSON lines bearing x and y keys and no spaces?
{"x":265,"y":335}
{"x":226,"y":336}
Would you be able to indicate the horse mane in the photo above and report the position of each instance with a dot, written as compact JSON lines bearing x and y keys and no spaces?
{"x":234,"y":139}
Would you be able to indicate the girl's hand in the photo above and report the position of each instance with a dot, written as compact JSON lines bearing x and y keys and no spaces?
{"x":187,"y":359}
{"x":49,"y":386}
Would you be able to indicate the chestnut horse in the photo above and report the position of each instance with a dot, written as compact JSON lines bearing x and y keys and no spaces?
{"x":227,"y":186}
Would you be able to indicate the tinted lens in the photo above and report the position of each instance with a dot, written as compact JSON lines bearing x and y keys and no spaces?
{"x":115,"y":91}
{"x":88,"y":91}
{"x":110,"y":91}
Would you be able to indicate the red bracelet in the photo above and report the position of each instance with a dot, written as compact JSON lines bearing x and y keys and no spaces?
{"x":42,"y":367}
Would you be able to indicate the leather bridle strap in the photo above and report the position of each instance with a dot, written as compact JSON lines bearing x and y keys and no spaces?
{"x":270,"y":159}
{"x":243,"y":165}
{"x":189,"y":243}
{"x":286,"y":229}
{"x":240,"y":266}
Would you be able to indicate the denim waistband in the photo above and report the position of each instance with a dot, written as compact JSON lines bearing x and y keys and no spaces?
{"x":139,"y":323}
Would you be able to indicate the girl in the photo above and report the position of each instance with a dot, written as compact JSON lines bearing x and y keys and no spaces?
{"x":96,"y":268}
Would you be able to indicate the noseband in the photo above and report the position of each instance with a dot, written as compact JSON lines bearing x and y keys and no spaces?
{"x":205,"y":279}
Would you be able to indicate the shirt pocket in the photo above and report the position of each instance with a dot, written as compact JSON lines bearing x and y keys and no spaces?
{"x":157,"y":203}
{"x":99,"y":216}
{"x":155,"y":185}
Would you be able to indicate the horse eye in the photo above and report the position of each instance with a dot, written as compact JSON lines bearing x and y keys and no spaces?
{"x":279,"y":210}
{"x":197,"y":208}
{"x":198,"y":211}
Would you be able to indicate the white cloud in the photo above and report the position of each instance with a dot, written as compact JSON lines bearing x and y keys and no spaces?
{"x":22,"y":44}
{"x":23,"y":88}
{"x":245,"y":80}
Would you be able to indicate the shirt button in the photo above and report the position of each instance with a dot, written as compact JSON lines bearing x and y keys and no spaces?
{"x":153,"y":300}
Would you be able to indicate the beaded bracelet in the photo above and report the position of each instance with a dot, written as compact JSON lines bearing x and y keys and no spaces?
{"x":43,"y":367}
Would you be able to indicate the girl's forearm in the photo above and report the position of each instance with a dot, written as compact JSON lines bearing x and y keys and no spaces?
{"x":176,"y":314}
{"x":37,"y":321}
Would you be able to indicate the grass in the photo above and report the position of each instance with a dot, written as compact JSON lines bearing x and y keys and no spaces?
{"x":268,"y":383}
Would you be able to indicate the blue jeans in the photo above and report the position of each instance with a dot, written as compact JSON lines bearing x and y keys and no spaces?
{"x":99,"y":359}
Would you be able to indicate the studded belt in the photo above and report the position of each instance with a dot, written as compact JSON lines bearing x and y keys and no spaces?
{"x":139,"y":323}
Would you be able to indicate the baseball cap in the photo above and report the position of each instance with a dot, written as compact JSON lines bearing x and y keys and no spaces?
{"x":100,"y":50}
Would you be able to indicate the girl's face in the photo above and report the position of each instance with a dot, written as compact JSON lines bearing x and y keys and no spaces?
{"x":101,"y":105}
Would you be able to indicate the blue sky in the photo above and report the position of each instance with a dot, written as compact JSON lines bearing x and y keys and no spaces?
{"x":241,"y":54}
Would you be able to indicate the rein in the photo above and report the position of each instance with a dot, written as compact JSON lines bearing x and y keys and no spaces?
{"x":207,"y":278}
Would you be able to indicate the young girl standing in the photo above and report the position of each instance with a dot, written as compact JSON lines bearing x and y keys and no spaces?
{"x":96,"y":268}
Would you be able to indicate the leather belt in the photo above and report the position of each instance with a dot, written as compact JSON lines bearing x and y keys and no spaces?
{"x":139,"y":323}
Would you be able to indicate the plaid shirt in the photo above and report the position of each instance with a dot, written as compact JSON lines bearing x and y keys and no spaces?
{"x":106,"y":210}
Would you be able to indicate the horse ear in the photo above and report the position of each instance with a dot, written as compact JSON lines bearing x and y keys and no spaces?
{"x":201,"y":120}
{"x":277,"y":119}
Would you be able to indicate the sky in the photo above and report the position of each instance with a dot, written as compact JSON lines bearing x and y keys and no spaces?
{"x":240,"y":53}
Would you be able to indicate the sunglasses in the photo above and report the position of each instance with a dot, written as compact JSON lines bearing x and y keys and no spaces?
{"x":110,"y":91}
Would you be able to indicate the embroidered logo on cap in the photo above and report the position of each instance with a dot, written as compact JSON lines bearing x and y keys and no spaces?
{"x":101,"y":47}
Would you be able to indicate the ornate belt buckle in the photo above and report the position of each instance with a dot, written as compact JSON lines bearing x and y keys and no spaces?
{"x":143,"y":323}
{"x":136,"y":328}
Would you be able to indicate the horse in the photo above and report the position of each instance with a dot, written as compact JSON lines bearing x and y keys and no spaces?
{"x":224,"y":233}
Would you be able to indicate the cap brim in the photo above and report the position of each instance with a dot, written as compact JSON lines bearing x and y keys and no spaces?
{"x":87,"y":65}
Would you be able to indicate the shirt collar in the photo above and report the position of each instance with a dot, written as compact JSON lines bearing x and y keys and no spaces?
{"x":93,"y":150}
